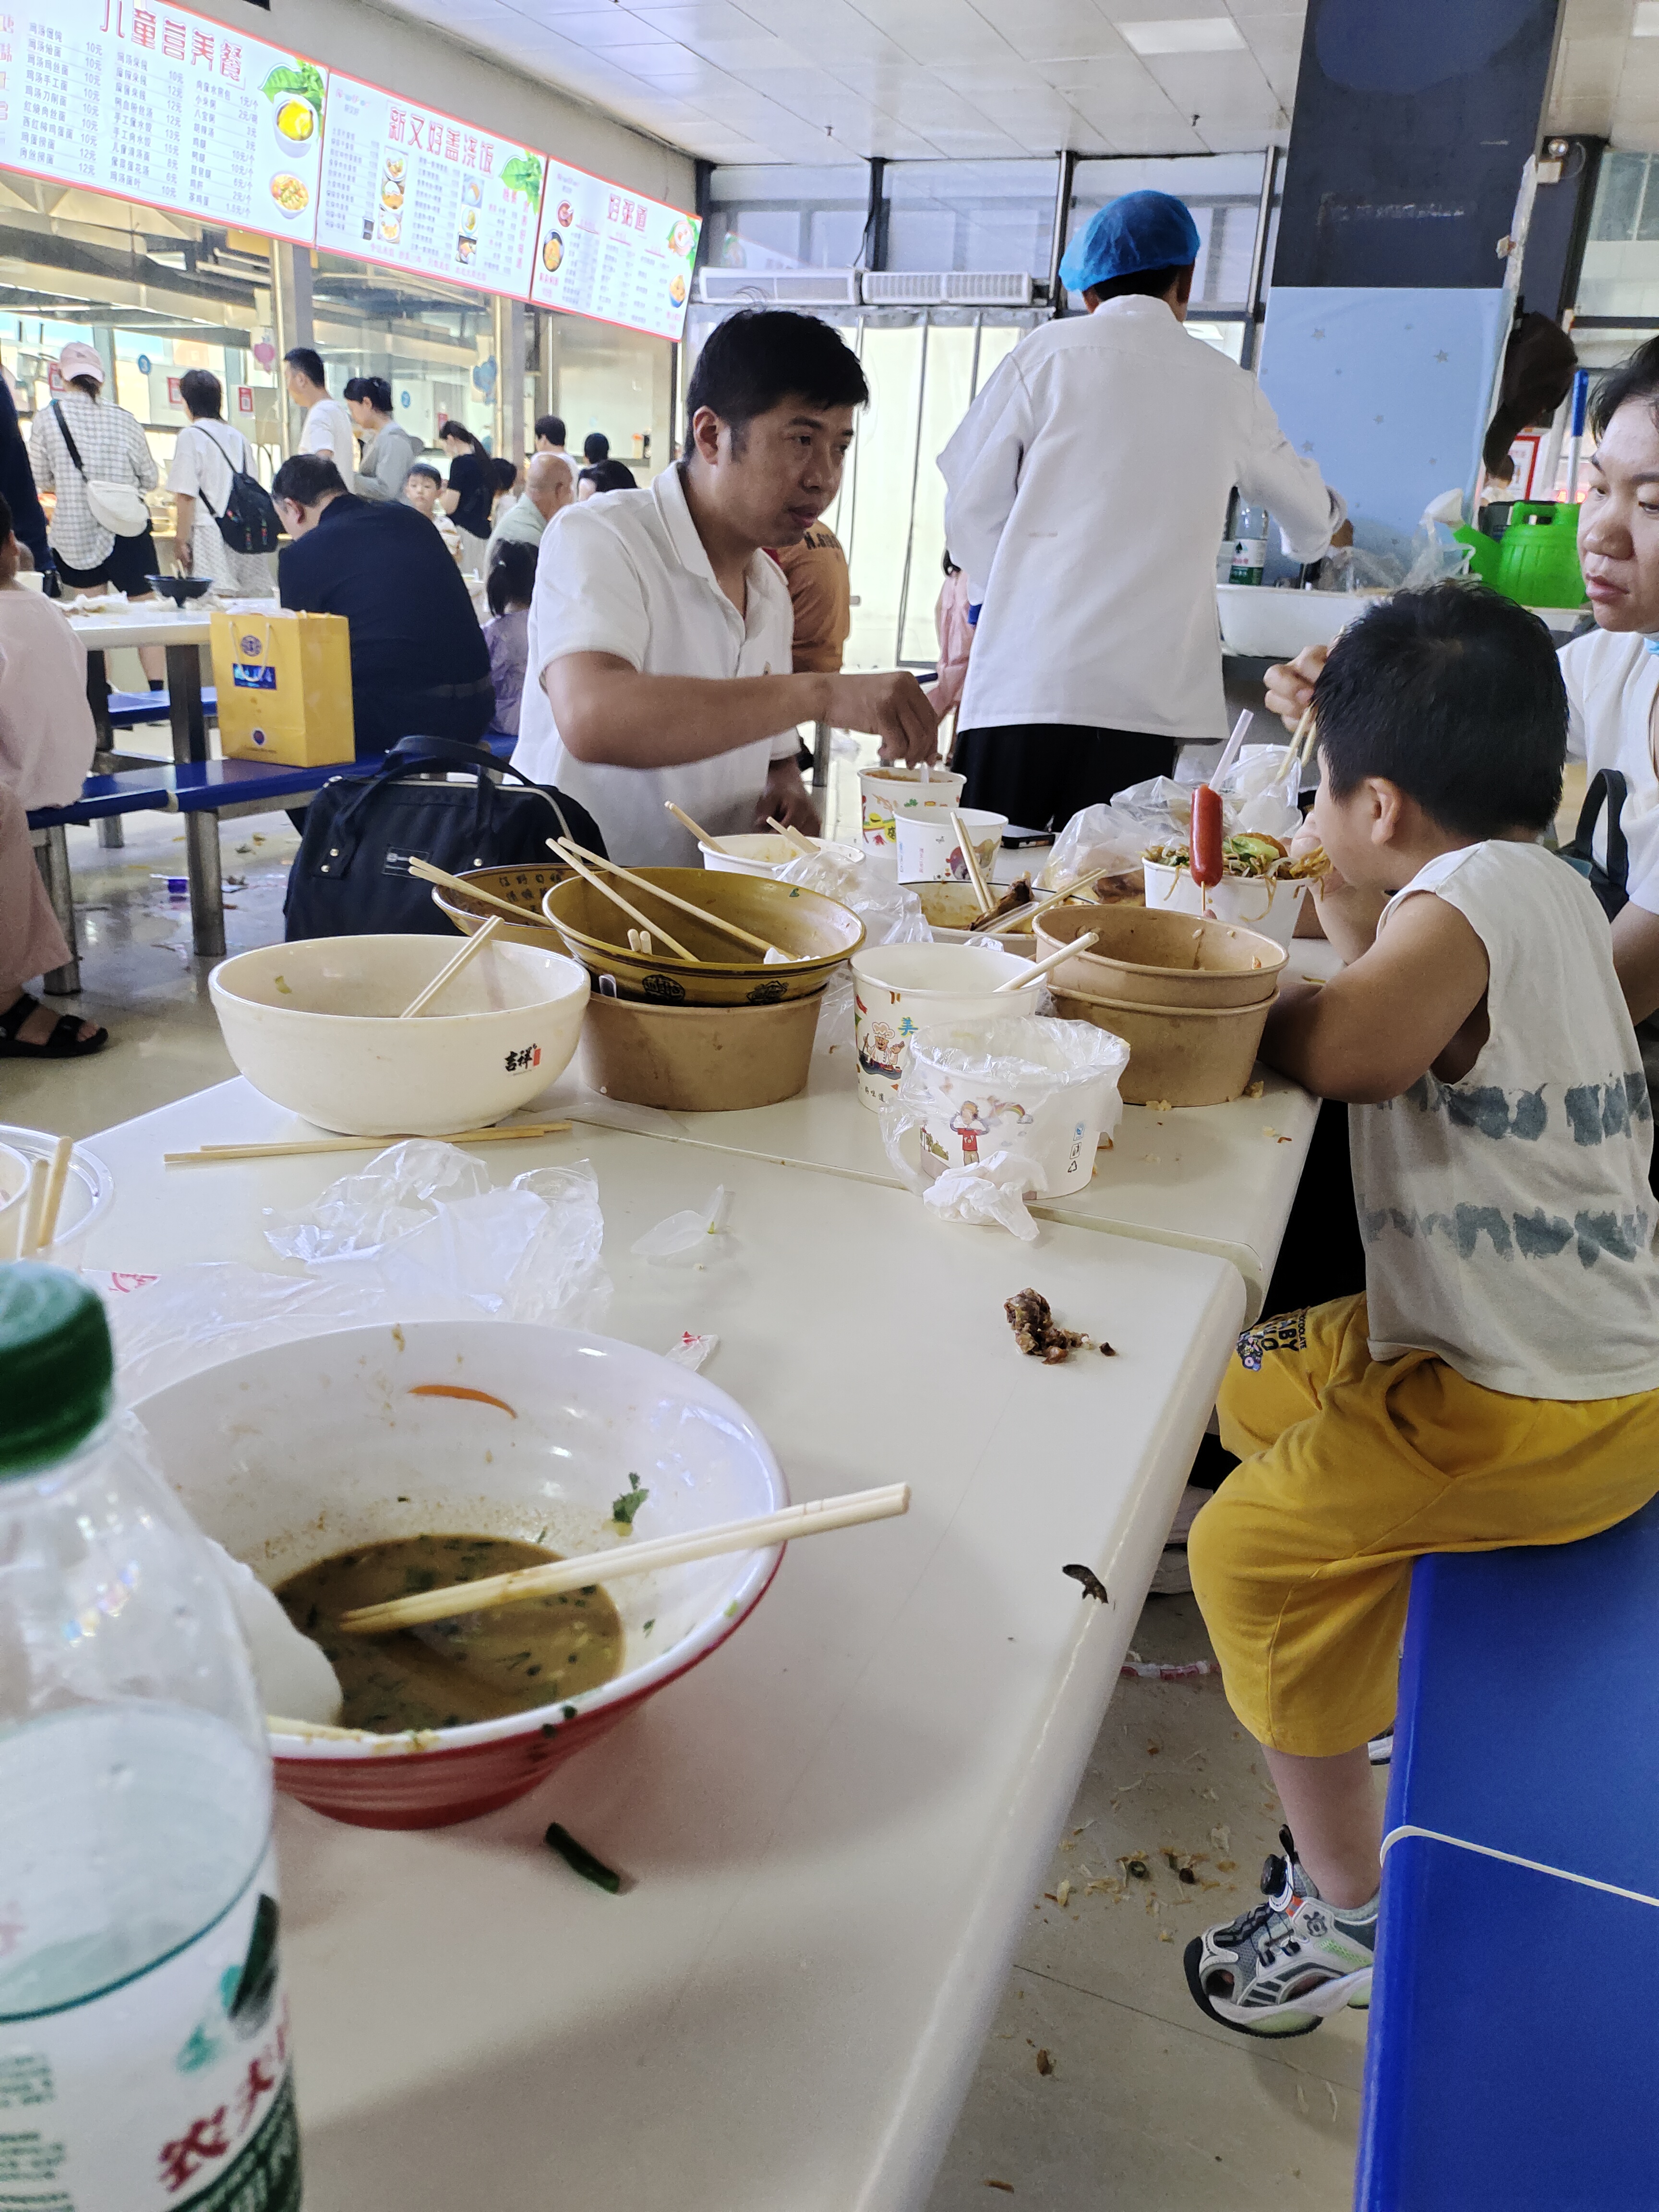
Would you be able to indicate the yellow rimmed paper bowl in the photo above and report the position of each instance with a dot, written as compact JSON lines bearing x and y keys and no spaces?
{"x":817,"y":933}
{"x":525,"y":888}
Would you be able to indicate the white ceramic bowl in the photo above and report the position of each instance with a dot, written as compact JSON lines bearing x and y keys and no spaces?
{"x":900,"y":988}
{"x":1257,"y":619}
{"x":313,"y":1025}
{"x":88,"y":1192}
{"x":290,"y":1454}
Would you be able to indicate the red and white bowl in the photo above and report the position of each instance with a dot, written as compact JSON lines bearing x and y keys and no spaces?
{"x":292,"y":1454}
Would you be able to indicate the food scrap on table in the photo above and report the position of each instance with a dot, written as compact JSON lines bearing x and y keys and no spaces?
{"x":1040,"y":1335}
{"x":1092,"y":1585}
{"x":692,"y":1351}
{"x":581,"y":1861}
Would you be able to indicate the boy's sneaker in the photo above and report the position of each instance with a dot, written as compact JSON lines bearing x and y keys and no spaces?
{"x":1380,"y":1749}
{"x":1282,"y":1967}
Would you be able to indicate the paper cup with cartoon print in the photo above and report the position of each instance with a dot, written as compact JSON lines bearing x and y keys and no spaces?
{"x":929,"y":851}
{"x":885,"y":793}
{"x":898,"y":988}
{"x":1046,"y":1089}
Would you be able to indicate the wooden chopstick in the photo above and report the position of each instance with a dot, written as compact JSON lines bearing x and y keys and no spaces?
{"x":34,"y":1206}
{"x":1064,"y":952}
{"x":506,"y":1132}
{"x":1020,"y":913}
{"x":671,"y":898}
{"x":802,"y":847}
{"x":987,"y":904}
{"x":754,"y":1534}
{"x":567,"y":853}
{"x":57,"y":1177}
{"x":695,"y":828}
{"x":428,"y":874}
{"x":479,"y":940}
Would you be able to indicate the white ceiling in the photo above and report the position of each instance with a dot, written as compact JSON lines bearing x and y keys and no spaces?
{"x":814,"y":81}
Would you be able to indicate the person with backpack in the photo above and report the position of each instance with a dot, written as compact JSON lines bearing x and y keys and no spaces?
{"x":212,"y":465}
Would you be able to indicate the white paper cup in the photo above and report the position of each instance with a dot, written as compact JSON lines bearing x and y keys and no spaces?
{"x":900,"y":988}
{"x":32,"y":580}
{"x":885,"y":793}
{"x":1258,"y":903}
{"x":928,"y":848}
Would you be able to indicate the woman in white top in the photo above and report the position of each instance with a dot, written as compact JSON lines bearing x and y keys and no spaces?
{"x":199,"y":480}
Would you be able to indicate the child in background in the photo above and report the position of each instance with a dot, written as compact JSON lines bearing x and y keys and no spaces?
{"x":1498,"y":1383}
{"x":512,"y":581}
{"x":422,"y":488}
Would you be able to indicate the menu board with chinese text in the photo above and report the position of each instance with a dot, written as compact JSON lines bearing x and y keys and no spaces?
{"x":159,"y":105}
{"x":420,"y":191}
{"x":605,"y":252}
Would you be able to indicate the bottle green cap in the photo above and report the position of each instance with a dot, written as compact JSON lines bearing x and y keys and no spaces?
{"x":56,"y":1366}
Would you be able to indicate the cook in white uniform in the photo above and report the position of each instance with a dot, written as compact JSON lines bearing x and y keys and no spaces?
{"x":660,"y":635}
{"x":1086,"y":495}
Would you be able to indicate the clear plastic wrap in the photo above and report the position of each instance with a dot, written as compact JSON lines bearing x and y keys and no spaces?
{"x":891,"y":914}
{"x":417,"y":1235}
{"x":1019,"y":1107}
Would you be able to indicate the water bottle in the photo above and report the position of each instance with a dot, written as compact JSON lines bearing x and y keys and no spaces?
{"x":1249,"y":557}
{"x":143,"y":2031}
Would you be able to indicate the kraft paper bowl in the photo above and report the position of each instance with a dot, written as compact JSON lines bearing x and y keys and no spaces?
{"x":1161,"y":958}
{"x":313,"y":1025}
{"x":523,"y":887}
{"x":290,"y":1454}
{"x":817,"y":932}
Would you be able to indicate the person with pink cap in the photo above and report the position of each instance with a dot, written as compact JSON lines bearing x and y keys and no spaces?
{"x":92,"y":455}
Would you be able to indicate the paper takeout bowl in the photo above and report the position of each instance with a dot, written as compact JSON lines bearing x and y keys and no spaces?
{"x":1161,"y":958}
{"x":817,"y":932}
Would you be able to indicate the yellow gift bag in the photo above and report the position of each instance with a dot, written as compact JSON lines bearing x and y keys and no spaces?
{"x":284,"y":685}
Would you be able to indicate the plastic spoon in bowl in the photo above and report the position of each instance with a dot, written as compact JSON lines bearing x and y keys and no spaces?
{"x":757,"y":1534}
{"x":1042,"y":967}
{"x":469,"y":952}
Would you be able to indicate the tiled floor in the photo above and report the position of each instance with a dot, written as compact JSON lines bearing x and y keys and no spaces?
{"x":1145,"y":2105}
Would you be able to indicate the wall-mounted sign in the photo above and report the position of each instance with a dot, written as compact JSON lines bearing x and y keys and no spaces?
{"x":157,"y":104}
{"x":606,"y":253}
{"x":405,"y":185}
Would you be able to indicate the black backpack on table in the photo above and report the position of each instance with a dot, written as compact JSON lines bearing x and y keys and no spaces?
{"x":350,"y":877}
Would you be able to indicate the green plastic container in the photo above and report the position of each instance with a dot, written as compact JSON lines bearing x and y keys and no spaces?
{"x":1536,"y":559}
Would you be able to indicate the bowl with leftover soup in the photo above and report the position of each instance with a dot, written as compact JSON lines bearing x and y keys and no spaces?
{"x":383,"y":1460}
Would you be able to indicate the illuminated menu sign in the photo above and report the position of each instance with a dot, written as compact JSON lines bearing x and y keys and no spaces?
{"x":423,"y":191}
{"x":606,"y":253}
{"x":159,"y":105}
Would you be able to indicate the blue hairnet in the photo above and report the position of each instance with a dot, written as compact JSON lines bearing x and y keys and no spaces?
{"x":1142,"y":230}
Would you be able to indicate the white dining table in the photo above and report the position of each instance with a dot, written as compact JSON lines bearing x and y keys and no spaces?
{"x":182,"y":634}
{"x":833,"y":1830}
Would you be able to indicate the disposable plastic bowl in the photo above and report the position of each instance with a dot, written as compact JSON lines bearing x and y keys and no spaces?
{"x":1162,"y":958}
{"x":900,"y":988}
{"x":291,"y":1455}
{"x":766,"y":854}
{"x":1267,"y":905}
{"x":89,"y":1192}
{"x":1260,"y":621}
{"x":524,"y":888}
{"x":815,"y":932}
{"x":315,"y":1026}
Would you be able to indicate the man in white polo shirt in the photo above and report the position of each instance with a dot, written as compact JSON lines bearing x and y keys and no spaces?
{"x":659,"y":641}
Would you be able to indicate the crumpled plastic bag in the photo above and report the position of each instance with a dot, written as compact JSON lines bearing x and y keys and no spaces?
{"x":891,"y":914}
{"x":682,"y":1239}
{"x":992,"y":1192}
{"x":1097,"y":837}
{"x":419,"y":1234}
{"x":1256,"y":793}
{"x":1041,"y":1092}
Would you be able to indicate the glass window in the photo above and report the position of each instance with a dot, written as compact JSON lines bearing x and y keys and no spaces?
{"x":789,"y":216}
{"x":1619,"y":193}
{"x":971,"y":215}
{"x":1224,"y":191}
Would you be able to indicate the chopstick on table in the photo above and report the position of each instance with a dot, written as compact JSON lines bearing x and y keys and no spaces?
{"x":1042,"y":967}
{"x":976,"y":874}
{"x":568,"y":855}
{"x":758,"y":1533}
{"x":282,"y":1148}
{"x":469,"y":952}
{"x":672,"y":899}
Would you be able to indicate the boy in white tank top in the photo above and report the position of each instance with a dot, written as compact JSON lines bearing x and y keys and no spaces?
{"x":1498,"y":1383}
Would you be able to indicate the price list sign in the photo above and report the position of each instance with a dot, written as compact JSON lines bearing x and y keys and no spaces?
{"x":405,"y":185}
{"x":607,"y":253}
{"x":156,"y":103}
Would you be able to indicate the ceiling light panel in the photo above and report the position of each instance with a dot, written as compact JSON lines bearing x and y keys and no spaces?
{"x":1185,"y":35}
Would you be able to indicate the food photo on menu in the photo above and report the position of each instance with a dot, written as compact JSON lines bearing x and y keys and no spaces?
{"x":298,"y":97}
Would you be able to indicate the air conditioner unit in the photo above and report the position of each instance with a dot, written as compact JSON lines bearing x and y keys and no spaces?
{"x":996,"y":288}
{"x":902,"y":287}
{"x":781,"y":288}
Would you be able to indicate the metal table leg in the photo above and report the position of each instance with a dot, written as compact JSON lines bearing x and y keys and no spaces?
{"x":112,"y":832}
{"x":185,"y":702}
{"x":51,"y":858}
{"x":207,"y":896}
{"x":821,"y":753}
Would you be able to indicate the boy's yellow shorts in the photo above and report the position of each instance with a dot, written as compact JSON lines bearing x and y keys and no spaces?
{"x":1353,"y":1468}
